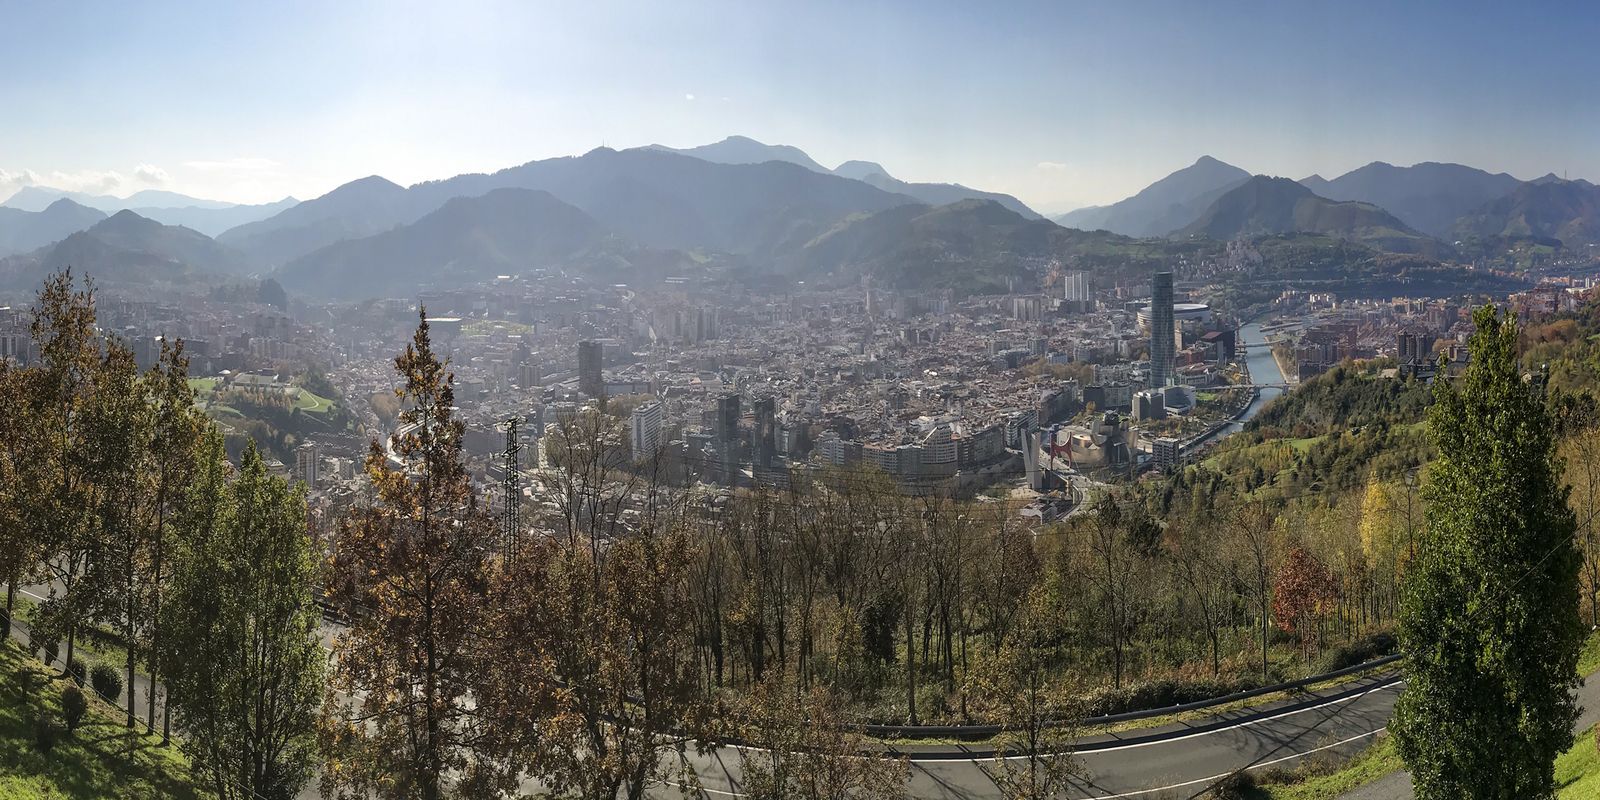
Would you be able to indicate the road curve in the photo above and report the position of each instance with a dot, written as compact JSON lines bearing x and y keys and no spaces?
{"x":1175,"y":760}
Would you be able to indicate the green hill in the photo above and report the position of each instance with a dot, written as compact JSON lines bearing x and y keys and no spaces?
{"x":1264,"y":205}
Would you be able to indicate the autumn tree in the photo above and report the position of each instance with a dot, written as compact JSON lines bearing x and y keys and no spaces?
{"x":797,"y":746}
{"x":1200,"y":570}
{"x":1489,"y":617}
{"x":410,"y":571}
{"x":1303,"y":589}
{"x":1033,"y":759}
{"x":1253,"y":553}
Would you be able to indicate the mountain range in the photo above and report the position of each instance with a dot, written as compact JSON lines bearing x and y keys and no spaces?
{"x":656,"y":199}
{"x":22,"y":231}
{"x":506,"y":231}
{"x":1429,"y":196}
{"x":1429,"y":200}
{"x":763,"y":209}
{"x":744,"y":150}
{"x":126,"y":249}
{"x":1549,"y":209}
{"x":209,"y":217}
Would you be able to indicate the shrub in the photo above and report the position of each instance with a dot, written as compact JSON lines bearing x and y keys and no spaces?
{"x":107,"y":681}
{"x":1238,"y":786}
{"x":77,"y":670}
{"x":1161,"y":694}
{"x":25,"y":682}
{"x":73,"y":706}
{"x":1373,"y":645}
{"x":52,"y":648}
{"x":46,"y":732}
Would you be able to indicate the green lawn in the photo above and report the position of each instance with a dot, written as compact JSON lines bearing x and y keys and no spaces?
{"x":204,"y":386}
{"x":93,"y":761}
{"x":1578,"y":770}
{"x":314,"y":404}
{"x":1589,"y":656}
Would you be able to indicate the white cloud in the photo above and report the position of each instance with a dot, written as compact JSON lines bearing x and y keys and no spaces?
{"x":689,"y":97}
{"x":1054,"y":166}
{"x":152,"y":174}
{"x":85,"y":180}
{"x":12,"y":181}
{"x":240,"y":164}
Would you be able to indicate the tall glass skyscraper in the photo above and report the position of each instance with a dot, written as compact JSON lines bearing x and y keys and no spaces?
{"x":1162,"y":338}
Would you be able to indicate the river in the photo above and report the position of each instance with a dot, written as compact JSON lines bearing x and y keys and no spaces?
{"x":1263,"y":369}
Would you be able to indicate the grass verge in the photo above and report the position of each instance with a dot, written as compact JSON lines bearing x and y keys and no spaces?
{"x":1578,"y":770}
{"x":99,"y":759}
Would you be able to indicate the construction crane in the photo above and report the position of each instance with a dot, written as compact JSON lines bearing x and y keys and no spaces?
{"x":511,"y":485}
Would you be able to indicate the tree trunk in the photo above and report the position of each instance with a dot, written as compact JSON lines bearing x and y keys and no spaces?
{"x":911,"y":668}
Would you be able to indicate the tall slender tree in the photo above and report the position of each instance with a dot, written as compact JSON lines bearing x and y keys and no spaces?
{"x":1489,"y":614}
{"x":60,"y":510}
{"x":176,"y":428}
{"x":245,"y":662}
{"x":410,"y":571}
{"x":116,"y":427}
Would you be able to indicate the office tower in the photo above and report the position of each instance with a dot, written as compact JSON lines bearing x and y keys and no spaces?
{"x":766,"y":432}
{"x":591,"y":379}
{"x":1162,"y":355}
{"x":728,"y":418}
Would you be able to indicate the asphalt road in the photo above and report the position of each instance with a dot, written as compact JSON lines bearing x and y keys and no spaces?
{"x":1177,"y":760}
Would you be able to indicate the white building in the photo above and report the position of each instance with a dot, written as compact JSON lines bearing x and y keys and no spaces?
{"x":305,"y":464}
{"x":646,"y":429}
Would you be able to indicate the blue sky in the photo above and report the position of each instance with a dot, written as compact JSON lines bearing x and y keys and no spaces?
{"x":1060,"y":103}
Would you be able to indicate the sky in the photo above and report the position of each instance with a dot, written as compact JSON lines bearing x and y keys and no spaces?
{"x":1059,"y":103}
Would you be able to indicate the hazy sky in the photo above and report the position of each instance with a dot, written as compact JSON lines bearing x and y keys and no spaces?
{"x":1060,"y":103}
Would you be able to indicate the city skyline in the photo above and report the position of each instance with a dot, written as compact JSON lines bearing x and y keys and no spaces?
{"x":1069,"y":106}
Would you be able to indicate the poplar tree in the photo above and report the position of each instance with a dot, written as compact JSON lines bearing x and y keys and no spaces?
{"x":1489,"y":612}
{"x":245,"y":663}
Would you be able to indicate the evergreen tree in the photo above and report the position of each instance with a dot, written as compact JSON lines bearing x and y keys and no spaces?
{"x":1489,"y":615}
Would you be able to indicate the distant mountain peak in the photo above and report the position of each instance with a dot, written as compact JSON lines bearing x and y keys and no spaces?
{"x":860,"y":170}
{"x":64,"y":204}
{"x":745,"y":150}
{"x":374,"y":180}
{"x":1164,"y":206}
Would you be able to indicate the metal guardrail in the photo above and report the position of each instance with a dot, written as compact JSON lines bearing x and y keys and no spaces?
{"x":988,"y":731}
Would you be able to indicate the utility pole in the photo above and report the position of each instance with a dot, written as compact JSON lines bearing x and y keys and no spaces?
{"x":511,"y":516}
